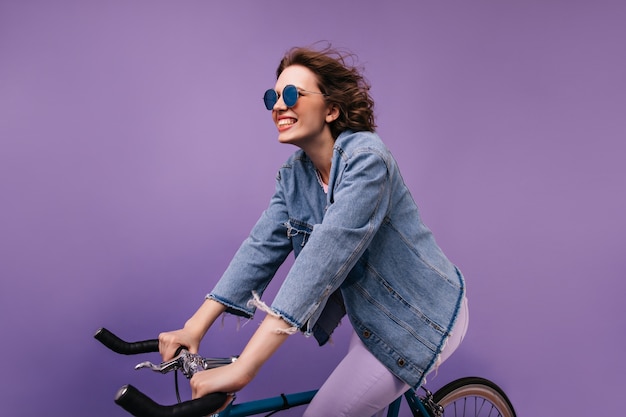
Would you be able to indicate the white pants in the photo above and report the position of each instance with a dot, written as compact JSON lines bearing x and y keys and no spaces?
{"x":362,"y":386}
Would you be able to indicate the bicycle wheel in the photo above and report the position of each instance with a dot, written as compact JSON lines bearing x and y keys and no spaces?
{"x":473,"y":397}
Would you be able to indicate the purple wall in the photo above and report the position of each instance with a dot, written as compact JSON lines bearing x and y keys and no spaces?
{"x":136,"y":154}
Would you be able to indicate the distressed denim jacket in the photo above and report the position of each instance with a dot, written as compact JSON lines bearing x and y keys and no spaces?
{"x":361,"y":249}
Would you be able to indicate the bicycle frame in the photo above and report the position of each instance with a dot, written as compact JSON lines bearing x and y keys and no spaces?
{"x":287,"y":401}
{"x":282,"y":402}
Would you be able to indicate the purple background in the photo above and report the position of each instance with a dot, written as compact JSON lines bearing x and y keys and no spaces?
{"x":136,"y":154}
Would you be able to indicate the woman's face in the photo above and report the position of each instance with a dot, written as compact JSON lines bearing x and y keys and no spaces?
{"x":307,"y":121}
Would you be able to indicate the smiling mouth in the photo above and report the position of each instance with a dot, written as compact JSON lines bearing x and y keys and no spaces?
{"x":286,"y":122}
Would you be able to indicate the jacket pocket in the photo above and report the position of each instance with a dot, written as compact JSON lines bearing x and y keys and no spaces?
{"x":299,"y":232}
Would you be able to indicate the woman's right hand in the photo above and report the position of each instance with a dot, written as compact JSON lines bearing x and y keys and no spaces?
{"x":169,"y":342}
{"x":193,"y":331}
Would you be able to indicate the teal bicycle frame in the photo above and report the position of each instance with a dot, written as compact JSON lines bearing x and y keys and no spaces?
{"x":287,"y":401}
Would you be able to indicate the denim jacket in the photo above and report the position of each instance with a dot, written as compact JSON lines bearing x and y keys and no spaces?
{"x":361,"y":249}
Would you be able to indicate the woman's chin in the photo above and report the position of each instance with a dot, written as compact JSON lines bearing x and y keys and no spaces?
{"x":286,"y":138}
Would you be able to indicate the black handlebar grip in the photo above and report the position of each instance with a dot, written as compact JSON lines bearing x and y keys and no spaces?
{"x":118,"y":345}
{"x":140,"y":405}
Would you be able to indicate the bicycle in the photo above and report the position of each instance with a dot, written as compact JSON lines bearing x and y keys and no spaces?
{"x":467,"y":397}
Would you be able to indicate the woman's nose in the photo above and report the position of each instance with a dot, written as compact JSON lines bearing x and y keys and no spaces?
{"x":280,"y":104}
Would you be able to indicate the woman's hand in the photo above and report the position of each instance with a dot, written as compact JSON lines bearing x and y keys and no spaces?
{"x":169,"y":342}
{"x":193,"y":332}
{"x":229,"y":379}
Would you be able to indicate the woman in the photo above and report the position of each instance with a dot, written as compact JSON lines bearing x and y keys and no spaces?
{"x":361,"y":249}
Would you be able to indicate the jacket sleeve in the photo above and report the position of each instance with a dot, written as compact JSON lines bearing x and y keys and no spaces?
{"x":361,"y":199}
{"x":256,"y":261}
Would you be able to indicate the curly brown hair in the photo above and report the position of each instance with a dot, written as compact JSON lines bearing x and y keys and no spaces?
{"x":343,"y":84}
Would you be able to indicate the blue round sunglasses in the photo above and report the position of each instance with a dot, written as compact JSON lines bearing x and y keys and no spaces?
{"x":290,"y":96}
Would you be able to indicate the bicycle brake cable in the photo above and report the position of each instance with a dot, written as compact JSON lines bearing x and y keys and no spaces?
{"x":176,"y":385}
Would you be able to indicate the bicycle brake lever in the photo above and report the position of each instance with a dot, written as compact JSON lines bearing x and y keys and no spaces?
{"x":188,"y":363}
{"x":163,"y":367}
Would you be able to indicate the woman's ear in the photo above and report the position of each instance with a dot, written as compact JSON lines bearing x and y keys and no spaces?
{"x":332,"y":114}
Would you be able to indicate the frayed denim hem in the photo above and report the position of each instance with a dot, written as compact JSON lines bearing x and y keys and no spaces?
{"x":256,"y":301}
{"x":231,"y":308}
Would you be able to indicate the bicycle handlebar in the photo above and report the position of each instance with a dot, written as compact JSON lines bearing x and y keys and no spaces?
{"x":123,"y":347}
{"x":139,"y":404}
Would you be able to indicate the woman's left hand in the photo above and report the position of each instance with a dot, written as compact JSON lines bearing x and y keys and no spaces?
{"x":229,"y":378}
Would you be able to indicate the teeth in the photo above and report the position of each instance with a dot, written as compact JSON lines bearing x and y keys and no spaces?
{"x":286,"y":122}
